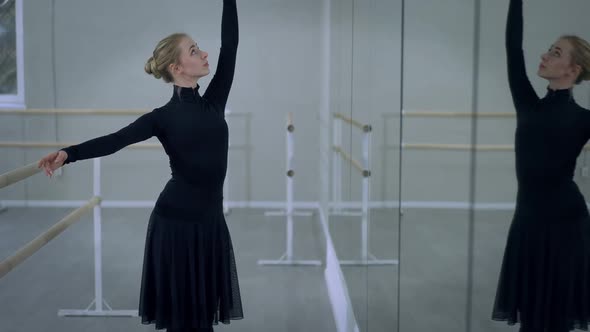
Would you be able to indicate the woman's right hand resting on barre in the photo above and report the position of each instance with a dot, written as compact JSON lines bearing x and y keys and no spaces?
{"x":52,"y":161}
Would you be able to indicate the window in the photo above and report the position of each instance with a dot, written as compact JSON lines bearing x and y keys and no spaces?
{"x":12,"y":93}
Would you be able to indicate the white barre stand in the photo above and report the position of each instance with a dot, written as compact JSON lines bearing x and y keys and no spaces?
{"x":287,"y":257}
{"x":366,"y":257}
{"x":98,"y":298}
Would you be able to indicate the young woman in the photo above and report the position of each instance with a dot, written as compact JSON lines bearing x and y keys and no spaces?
{"x":189,"y":280}
{"x":545,"y":279}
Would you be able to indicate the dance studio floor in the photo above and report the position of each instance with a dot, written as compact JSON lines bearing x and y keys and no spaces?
{"x":60,"y":275}
{"x":434,"y":271}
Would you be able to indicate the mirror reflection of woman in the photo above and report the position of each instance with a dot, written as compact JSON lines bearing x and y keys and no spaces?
{"x":189,"y":280}
{"x":544,"y":283}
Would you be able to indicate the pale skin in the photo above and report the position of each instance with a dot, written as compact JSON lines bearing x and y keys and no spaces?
{"x":557,"y":66}
{"x":187,"y":70}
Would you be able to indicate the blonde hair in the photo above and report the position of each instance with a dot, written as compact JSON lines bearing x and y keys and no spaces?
{"x":580,"y":56}
{"x":166,"y":52}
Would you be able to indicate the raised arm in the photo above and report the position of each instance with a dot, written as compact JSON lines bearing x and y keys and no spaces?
{"x":522,"y":91}
{"x":218,"y":90}
{"x":139,"y":130}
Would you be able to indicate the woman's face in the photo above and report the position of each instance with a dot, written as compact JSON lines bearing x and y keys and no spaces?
{"x":192,"y":62}
{"x":556,"y":63}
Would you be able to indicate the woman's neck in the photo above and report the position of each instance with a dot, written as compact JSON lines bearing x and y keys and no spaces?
{"x":186,"y":82}
{"x":560,"y":84}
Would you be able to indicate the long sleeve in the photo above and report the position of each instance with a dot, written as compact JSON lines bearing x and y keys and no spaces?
{"x":218,"y":90}
{"x":522,"y":91}
{"x":139,"y":130}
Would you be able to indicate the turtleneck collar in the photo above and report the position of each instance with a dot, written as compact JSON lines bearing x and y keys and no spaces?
{"x":185,"y":94}
{"x":560,"y":94}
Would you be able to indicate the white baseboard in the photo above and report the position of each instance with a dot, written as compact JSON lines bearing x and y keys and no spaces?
{"x":336,"y":285}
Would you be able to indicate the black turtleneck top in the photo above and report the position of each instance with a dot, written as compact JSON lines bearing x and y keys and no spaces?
{"x":550,"y":134}
{"x":192,"y":130}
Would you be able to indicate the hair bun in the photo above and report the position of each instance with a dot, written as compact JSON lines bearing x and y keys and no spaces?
{"x":152,"y":68}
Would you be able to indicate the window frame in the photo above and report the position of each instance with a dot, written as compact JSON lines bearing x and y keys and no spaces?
{"x":16,"y":101}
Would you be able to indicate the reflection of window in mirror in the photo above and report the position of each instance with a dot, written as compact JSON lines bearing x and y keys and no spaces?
{"x":11,"y":78}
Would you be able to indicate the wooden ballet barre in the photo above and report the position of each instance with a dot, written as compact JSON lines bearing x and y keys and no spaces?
{"x":418,"y":146}
{"x":29,"y":249}
{"x":72,"y":111}
{"x":9,"y":144}
{"x":435,"y":114}
{"x":65,"y":144}
{"x":18,"y":174}
{"x":363,"y":127}
{"x":354,"y":162}
{"x":42,"y":111}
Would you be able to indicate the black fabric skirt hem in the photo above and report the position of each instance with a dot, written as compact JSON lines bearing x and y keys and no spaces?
{"x":189,"y":275}
{"x":544,"y":281}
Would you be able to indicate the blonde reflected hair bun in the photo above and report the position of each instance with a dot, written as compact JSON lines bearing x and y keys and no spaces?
{"x":580,"y":56}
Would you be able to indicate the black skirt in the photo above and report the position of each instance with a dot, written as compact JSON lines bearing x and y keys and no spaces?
{"x":189,"y":273}
{"x":544,"y":283}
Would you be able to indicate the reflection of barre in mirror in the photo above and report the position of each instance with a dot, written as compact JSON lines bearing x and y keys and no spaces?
{"x":289,"y":212}
{"x":95,"y":203}
{"x":453,"y":147}
{"x":364,"y":169}
{"x":447,"y":114}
